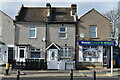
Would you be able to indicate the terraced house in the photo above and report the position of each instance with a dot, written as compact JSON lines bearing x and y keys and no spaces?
{"x":94,"y":41}
{"x":47,"y":33}
{"x":53,"y":38}
{"x":7,"y":39}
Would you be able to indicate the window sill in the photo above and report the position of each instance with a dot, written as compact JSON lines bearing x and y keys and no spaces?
{"x":94,"y":38}
{"x":32,"y":37}
{"x":63,"y":38}
{"x":65,"y":57}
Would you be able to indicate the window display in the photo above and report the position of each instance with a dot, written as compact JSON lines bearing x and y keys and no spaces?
{"x":90,"y":51}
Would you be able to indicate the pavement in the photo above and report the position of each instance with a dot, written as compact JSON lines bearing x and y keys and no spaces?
{"x":104,"y":72}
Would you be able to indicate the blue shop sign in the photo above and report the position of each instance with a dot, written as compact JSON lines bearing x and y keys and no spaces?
{"x":97,"y":43}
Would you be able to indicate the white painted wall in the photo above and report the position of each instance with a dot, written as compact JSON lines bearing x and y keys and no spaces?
{"x":3,"y":54}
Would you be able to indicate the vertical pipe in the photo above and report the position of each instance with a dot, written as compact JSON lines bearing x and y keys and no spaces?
{"x":111,"y":59}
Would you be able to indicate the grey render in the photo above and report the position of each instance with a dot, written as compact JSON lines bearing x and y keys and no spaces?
{"x":7,"y":29}
{"x":45,"y":28}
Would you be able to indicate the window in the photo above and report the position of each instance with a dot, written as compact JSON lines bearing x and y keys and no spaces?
{"x":21,"y":53}
{"x":66,"y":52}
{"x":32,"y":32}
{"x":93,"y":31}
{"x":90,"y":52}
{"x":35,"y":53}
{"x":63,"y":32}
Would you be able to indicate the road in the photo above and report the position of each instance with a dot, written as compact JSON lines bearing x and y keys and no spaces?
{"x":60,"y":78}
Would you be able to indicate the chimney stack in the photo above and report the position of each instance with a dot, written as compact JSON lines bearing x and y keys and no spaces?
{"x":73,"y":9}
{"x":48,"y":5}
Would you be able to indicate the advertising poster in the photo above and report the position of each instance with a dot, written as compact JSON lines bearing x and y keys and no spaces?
{"x":90,"y":52}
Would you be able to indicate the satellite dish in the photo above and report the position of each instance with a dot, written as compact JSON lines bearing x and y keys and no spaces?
{"x":81,"y":35}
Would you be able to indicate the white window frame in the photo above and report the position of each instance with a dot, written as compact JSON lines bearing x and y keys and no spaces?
{"x":63,"y":32}
{"x":67,"y":52}
{"x":35,"y":50}
{"x":93,"y":31}
{"x":35,"y":28}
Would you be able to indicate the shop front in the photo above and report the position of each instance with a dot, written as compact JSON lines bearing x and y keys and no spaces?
{"x":95,"y":53}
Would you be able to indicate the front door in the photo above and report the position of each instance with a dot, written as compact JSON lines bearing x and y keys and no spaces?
{"x":21,"y":54}
{"x":53,"y":54}
{"x":53,"y":59}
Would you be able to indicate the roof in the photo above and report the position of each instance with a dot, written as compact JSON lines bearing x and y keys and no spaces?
{"x":53,"y":44}
{"x":95,"y":11}
{"x":32,"y":15}
{"x":40,"y":14}
{"x":61,"y":15}
{"x":6,"y":14}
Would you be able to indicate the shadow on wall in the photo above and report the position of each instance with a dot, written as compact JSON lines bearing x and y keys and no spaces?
{"x":87,"y":65}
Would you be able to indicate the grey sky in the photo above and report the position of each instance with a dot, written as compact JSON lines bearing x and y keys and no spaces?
{"x":11,"y":8}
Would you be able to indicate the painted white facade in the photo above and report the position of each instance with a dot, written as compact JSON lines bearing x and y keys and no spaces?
{"x":3,"y":54}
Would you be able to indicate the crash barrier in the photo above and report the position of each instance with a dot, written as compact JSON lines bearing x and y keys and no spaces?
{"x":31,"y":64}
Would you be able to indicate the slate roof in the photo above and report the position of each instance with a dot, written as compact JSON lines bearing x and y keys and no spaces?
{"x":32,"y":15}
{"x":62,"y":15}
{"x":39,"y":14}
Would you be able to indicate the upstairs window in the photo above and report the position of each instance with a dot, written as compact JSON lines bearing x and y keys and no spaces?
{"x":63,"y":32}
{"x":93,"y":31}
{"x":32,"y":32}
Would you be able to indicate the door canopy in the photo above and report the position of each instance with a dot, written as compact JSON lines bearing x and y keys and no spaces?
{"x":53,"y":46}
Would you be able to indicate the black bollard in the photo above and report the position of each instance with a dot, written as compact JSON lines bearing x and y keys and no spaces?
{"x":18,"y":74}
{"x":94,"y":75}
{"x":71,"y":74}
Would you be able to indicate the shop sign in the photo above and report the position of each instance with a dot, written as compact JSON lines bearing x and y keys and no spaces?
{"x":97,"y":43}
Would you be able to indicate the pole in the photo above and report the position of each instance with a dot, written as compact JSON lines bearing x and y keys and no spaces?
{"x":71,"y":74}
{"x":18,"y":74}
{"x":94,"y":75}
{"x":111,"y":59}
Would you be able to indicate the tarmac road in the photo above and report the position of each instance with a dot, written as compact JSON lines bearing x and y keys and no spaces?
{"x":59,"y":78}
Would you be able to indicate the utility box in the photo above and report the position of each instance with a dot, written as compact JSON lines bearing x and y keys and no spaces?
{"x":69,"y":65}
{"x":61,"y":65}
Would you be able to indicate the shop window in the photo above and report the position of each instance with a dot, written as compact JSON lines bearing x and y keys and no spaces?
{"x":90,"y":52}
{"x":90,"y":59}
{"x":66,"y":52}
{"x":84,"y":59}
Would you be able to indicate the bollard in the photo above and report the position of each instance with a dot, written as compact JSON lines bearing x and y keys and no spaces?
{"x":7,"y":68}
{"x":71,"y":74}
{"x":18,"y":74}
{"x":94,"y":75}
